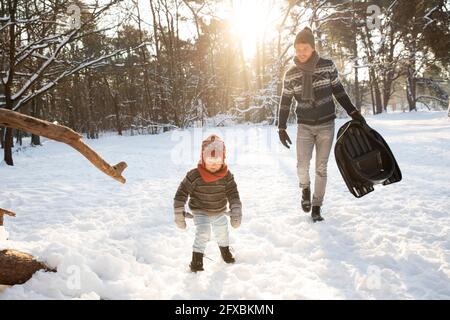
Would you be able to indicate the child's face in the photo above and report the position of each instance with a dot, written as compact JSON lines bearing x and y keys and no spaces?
{"x":213,"y":156}
{"x":213,"y":164}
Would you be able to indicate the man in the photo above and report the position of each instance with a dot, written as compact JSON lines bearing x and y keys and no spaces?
{"x":313,"y":81}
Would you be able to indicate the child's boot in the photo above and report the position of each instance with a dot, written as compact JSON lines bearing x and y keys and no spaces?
{"x":226,"y":254}
{"x":197,"y":262}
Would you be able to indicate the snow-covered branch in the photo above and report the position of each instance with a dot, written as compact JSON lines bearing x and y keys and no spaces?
{"x":44,"y":66}
{"x":155,"y":124}
{"x":431,"y":98}
{"x":65,"y":74}
{"x":250,"y":108}
{"x":18,"y":21}
{"x":427,"y":17}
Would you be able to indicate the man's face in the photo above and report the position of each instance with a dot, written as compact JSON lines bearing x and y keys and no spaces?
{"x":303,"y":51}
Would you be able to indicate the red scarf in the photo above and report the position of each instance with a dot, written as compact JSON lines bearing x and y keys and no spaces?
{"x":208,"y":176}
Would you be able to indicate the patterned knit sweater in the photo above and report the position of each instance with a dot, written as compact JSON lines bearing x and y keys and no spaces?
{"x":207,"y":197}
{"x":326,"y":83}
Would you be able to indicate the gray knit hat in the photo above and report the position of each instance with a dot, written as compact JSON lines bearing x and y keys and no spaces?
{"x":305,"y":36}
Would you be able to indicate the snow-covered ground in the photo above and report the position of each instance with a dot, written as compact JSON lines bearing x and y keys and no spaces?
{"x":113,"y":241}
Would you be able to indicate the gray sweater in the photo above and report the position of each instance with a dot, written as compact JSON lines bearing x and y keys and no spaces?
{"x":207,"y":197}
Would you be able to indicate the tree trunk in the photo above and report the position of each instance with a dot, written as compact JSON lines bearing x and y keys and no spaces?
{"x":118,"y":122}
{"x":378,"y":102}
{"x":35,"y":140}
{"x":116,"y":106}
{"x":2,"y":137}
{"x":8,"y":86}
{"x":372,"y":99}
{"x":19,"y":135}
{"x":160,"y":102}
{"x":18,"y":267}
{"x":355,"y":56}
{"x":259,"y":72}
{"x":8,"y":147}
{"x":411,"y":90}
{"x":145,"y":64}
{"x":356,"y":89}
{"x":376,"y":92}
{"x":91,"y":127}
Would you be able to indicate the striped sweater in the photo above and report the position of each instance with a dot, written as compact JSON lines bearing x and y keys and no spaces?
{"x":207,"y":197}
{"x":326,"y":83}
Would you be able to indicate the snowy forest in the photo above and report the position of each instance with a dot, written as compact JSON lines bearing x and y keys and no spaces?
{"x":149,"y":67}
{"x":127,"y":80}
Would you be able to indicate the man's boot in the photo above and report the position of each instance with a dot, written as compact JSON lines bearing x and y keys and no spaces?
{"x":315,"y":214}
{"x":306,"y":199}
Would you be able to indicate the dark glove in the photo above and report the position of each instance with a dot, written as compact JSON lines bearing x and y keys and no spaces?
{"x":284,"y":137}
{"x":356,"y":115}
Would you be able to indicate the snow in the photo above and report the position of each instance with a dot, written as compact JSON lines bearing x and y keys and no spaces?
{"x":113,"y":241}
{"x":3,"y":234}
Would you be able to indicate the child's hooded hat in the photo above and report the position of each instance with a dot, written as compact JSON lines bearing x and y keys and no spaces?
{"x":213,"y":147}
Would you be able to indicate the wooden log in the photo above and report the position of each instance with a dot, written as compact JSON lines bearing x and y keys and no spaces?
{"x":3,"y":288}
{"x":63,"y":134}
{"x":7,"y":213}
{"x":18,"y":267}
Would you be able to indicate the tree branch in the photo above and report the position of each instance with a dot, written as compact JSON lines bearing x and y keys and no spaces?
{"x":63,"y":134}
{"x":65,"y":74}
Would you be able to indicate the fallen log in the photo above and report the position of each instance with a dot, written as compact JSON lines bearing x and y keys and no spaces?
{"x":18,"y":267}
{"x":3,"y":288}
{"x":63,"y":134}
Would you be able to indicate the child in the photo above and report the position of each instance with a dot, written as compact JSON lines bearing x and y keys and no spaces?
{"x":210,"y":187}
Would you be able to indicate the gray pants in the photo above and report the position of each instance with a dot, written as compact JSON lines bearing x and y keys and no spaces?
{"x":321,"y":136}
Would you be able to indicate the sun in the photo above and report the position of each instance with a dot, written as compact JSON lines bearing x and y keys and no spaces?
{"x":251,"y":21}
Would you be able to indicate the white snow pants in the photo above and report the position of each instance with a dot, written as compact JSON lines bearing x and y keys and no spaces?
{"x":204,"y":224}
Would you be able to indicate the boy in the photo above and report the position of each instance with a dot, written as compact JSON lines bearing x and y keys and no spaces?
{"x":210,"y":188}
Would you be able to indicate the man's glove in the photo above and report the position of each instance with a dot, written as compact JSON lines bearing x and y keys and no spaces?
{"x":235,"y":217}
{"x":356,"y":115}
{"x":180,"y":217}
{"x":284,"y":138}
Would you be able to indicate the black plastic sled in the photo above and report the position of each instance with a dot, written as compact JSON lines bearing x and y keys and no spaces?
{"x":364,"y":158}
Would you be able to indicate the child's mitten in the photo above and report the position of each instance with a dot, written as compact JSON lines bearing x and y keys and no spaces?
{"x":236,"y":217}
{"x":179,"y":218}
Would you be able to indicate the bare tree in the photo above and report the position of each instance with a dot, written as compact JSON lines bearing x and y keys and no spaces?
{"x":27,"y":72}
